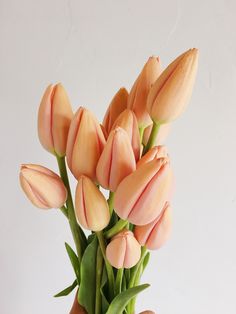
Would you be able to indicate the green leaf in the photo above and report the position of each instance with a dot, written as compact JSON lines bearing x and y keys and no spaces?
{"x":103,"y":289}
{"x":118,"y":305}
{"x":146,"y":260}
{"x":87,"y":290}
{"x":67,"y":290}
{"x":74,"y":261}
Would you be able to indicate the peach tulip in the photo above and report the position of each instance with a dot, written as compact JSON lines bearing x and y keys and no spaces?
{"x":155,"y":234}
{"x":147,"y":312}
{"x":43,"y":187}
{"x":91,"y":207}
{"x":123,"y":251}
{"x":117,"y":105}
{"x":141,"y":196}
{"x":137,"y":100}
{"x":171,"y":92}
{"x":128,"y":121}
{"x":54,"y":119}
{"x":161,"y":135}
{"x":155,"y":152}
{"x":117,"y":160}
{"x":85,"y":144}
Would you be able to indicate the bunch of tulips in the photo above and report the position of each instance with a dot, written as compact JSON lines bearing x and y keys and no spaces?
{"x":124,"y":155}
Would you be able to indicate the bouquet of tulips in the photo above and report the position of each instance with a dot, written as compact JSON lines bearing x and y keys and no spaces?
{"x":125,"y":156}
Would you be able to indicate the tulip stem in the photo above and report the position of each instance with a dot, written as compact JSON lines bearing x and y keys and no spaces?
{"x":99,"y":268}
{"x":110,"y":274}
{"x":110,"y":201}
{"x":152,"y":137}
{"x":116,"y":229}
{"x":77,"y":232}
{"x":118,"y":284}
{"x":141,"y":132}
{"x":64,"y":210}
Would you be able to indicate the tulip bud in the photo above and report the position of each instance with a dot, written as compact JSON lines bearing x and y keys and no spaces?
{"x":91,"y":207}
{"x":123,"y":251}
{"x":117,"y":160}
{"x":128,"y":121}
{"x":43,"y":187}
{"x":85,"y":144}
{"x":156,"y":152}
{"x":117,"y":105}
{"x":137,"y":100}
{"x":162,"y":134}
{"x":147,"y":312}
{"x":54,"y":119}
{"x":141,"y":196}
{"x":171,"y":92}
{"x":155,"y":234}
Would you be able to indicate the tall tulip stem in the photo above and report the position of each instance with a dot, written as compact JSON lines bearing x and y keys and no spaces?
{"x":152,"y":137}
{"x":116,"y":228}
{"x":111,"y":202}
{"x":77,"y":232}
{"x":99,"y":268}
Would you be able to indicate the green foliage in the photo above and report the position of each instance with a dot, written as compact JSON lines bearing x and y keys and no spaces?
{"x":67,"y":290}
{"x":74,"y":261}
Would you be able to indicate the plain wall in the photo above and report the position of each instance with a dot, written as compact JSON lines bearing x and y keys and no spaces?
{"x":94,"y":48}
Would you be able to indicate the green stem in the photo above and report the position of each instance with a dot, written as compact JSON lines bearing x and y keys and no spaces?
{"x":118,"y":283}
{"x":64,"y":210}
{"x":99,"y":268}
{"x":136,"y":283}
{"x":135,"y":269}
{"x":111,"y":202}
{"x":116,"y":229}
{"x":141,"y":132}
{"x":77,"y":232}
{"x":152,"y":137}
{"x":110,"y":274}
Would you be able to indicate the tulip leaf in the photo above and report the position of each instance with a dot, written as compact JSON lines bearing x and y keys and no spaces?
{"x":67,"y":290}
{"x":104,"y":291}
{"x":119,"y":303}
{"x":146,"y":260}
{"x":74,"y":261}
{"x":87,"y":290}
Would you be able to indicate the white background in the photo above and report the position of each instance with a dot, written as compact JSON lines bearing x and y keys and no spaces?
{"x":93,"y":48}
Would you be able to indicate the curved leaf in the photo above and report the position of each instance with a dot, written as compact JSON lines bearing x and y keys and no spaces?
{"x":118,"y":305}
{"x":87,"y":290}
{"x":74,"y":261}
{"x":67,"y":290}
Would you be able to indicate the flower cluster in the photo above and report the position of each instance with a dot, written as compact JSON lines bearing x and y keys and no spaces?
{"x":124,"y":155}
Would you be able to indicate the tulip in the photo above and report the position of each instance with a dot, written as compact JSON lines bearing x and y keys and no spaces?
{"x":43,"y":187}
{"x":156,"y":152}
{"x":171,"y":92}
{"x":155,"y":234}
{"x":117,"y":105}
{"x":54,"y":119}
{"x":141,"y":196}
{"x":128,"y":121}
{"x":137,"y":100}
{"x":91,"y":208}
{"x":117,"y":160}
{"x":161,"y":135}
{"x":85,"y":144}
{"x":123,"y":251}
{"x":147,"y":312}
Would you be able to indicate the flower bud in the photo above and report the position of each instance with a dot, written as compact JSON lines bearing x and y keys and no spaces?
{"x":141,"y":196}
{"x":117,"y":160}
{"x":171,"y":92}
{"x":85,"y":144}
{"x":91,"y":207}
{"x":162,"y":134}
{"x":147,"y":312}
{"x":54,"y":119}
{"x":137,"y":100}
{"x":117,"y":105}
{"x":128,"y":121}
{"x":155,"y":152}
{"x":43,"y":187}
{"x":155,"y":234}
{"x":123,"y":251}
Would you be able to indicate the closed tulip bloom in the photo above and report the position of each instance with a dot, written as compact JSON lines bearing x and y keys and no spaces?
{"x":123,"y":251}
{"x":171,"y":92}
{"x":54,"y":118}
{"x":137,"y":100}
{"x":141,"y":196}
{"x":85,"y":144}
{"x":117,"y":160}
{"x":147,"y":312}
{"x":117,"y":105}
{"x":161,"y":135}
{"x":43,"y":187}
{"x":91,"y":207}
{"x":155,"y":152}
{"x":155,"y":234}
{"x":128,"y":121}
